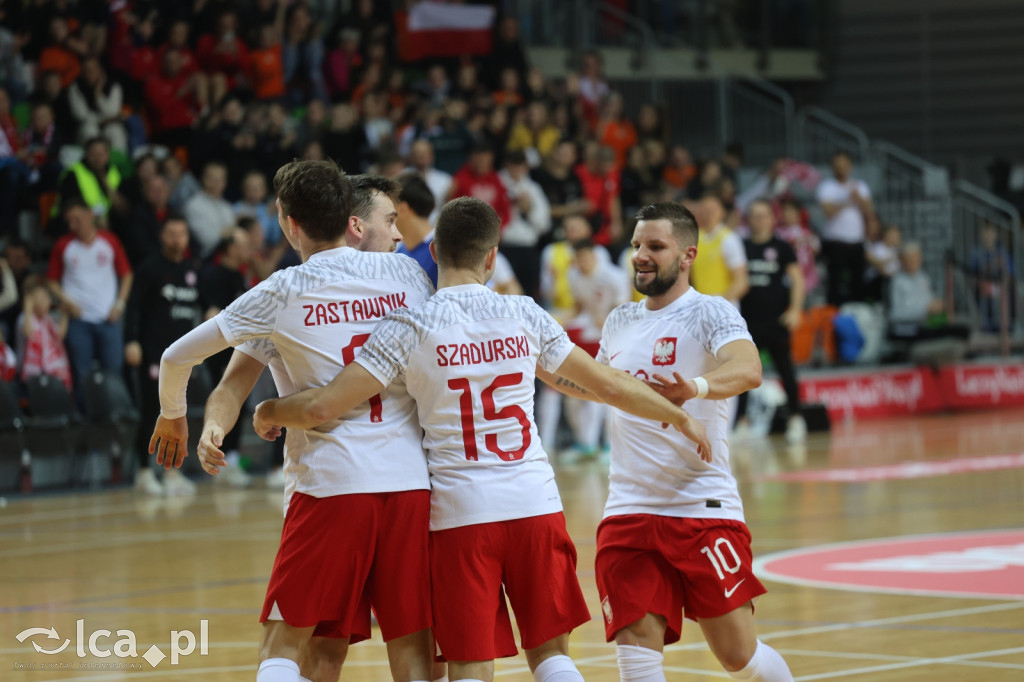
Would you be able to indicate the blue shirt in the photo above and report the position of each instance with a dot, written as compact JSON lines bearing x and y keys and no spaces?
{"x":421,"y":254}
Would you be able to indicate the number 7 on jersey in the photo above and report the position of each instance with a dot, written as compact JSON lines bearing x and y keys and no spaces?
{"x":348,"y":354}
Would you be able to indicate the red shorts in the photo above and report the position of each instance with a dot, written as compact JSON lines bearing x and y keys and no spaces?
{"x":472,"y":567}
{"x":663,"y":565}
{"x":344,"y":554}
{"x":575,"y":335}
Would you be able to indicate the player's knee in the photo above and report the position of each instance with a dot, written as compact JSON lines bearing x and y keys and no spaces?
{"x":649,"y":632}
{"x":735,"y":657}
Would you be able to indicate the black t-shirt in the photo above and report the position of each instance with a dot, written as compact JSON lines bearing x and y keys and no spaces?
{"x":166,"y":303}
{"x":768,"y":296}
{"x":559,"y":191}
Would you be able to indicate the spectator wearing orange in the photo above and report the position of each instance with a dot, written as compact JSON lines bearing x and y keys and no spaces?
{"x":266,"y":70}
{"x":63,"y":53}
{"x":614,"y":130}
{"x":508,"y":94}
{"x":679,"y":171}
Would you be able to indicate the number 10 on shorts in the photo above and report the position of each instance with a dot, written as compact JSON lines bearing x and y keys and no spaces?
{"x":718,"y":558}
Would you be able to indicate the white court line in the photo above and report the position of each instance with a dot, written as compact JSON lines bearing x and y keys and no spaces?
{"x":246,"y":533}
{"x":194,"y":671}
{"x":943,"y":660}
{"x":890,"y":657}
{"x":9,"y":517}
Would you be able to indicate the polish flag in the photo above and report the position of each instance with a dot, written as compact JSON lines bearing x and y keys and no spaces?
{"x":438,"y":29}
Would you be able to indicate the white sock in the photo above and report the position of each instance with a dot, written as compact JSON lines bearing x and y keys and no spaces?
{"x":766,"y":665}
{"x":233,"y":458}
{"x":557,"y":669}
{"x":640,"y":664}
{"x":304,"y":679}
{"x":443,"y":678}
{"x":278,"y":670}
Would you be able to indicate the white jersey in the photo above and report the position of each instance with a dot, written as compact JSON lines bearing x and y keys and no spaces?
{"x":317,"y":316}
{"x":597,"y":294}
{"x":655,"y":470}
{"x":469,"y":358}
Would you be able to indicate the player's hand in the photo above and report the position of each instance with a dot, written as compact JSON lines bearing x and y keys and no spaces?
{"x":694,"y":430}
{"x":210,"y":455}
{"x":169,"y":441}
{"x":791,"y":319}
{"x":133,"y":354}
{"x":676,"y":392}
{"x":263,"y":428}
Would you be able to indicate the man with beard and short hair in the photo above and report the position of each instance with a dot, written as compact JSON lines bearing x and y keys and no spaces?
{"x":673,"y":533}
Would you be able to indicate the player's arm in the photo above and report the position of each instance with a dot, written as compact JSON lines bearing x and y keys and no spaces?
{"x":739,"y":370}
{"x":223,"y":407}
{"x":620,"y":389}
{"x":794,"y":313}
{"x":170,"y":435}
{"x":308,"y":409}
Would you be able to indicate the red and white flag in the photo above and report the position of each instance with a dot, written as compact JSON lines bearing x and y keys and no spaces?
{"x":439,"y":29}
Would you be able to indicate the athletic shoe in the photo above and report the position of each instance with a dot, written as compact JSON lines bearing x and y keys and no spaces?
{"x":275,"y":479}
{"x":146,"y":482}
{"x":796,"y":429}
{"x":234,"y":476}
{"x":176,"y":485}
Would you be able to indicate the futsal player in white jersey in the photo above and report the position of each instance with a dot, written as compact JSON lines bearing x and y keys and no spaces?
{"x":673,"y":538}
{"x":371,"y":227}
{"x":469,"y":356}
{"x":355,"y":529}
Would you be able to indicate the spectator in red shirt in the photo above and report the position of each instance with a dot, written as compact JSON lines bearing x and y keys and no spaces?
{"x":89,"y":274}
{"x":266,"y":70}
{"x":171,"y":102}
{"x":601,"y":186}
{"x":223,"y":55}
{"x":478,"y":179}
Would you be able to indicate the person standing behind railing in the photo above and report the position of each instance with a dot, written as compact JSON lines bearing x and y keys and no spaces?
{"x":990,"y":265}
{"x":846,"y":203}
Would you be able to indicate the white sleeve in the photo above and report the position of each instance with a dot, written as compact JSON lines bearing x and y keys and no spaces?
{"x":864,"y":190}
{"x":733,"y":252}
{"x":253,"y":314}
{"x":386,"y":353}
{"x":261,"y":350}
{"x":555,"y":345}
{"x":177,"y":362}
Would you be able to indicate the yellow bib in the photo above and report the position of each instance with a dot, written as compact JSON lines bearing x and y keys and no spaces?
{"x":709,"y":273}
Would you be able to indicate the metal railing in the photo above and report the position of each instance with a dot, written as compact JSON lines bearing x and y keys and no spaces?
{"x":760,"y":115}
{"x":972,"y":210}
{"x":820,"y":134}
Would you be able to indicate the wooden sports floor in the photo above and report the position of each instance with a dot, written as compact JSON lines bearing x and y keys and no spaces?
{"x":121,"y":562}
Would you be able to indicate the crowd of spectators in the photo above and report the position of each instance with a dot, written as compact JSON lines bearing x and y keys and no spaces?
{"x":118,"y":116}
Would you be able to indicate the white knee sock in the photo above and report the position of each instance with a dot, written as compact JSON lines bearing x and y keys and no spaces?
{"x":766,"y":665}
{"x":640,"y":664}
{"x":278,"y":670}
{"x":557,"y":669}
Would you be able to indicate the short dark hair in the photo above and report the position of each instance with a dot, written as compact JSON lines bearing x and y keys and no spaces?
{"x":96,"y":139}
{"x":583,"y":245}
{"x":317,"y":195}
{"x":684,"y":225}
{"x":172,"y":217}
{"x":842,"y":152}
{"x":515,"y":157}
{"x":364,"y":187}
{"x":72,"y":203}
{"x":416,"y":192}
{"x":466,"y":230}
